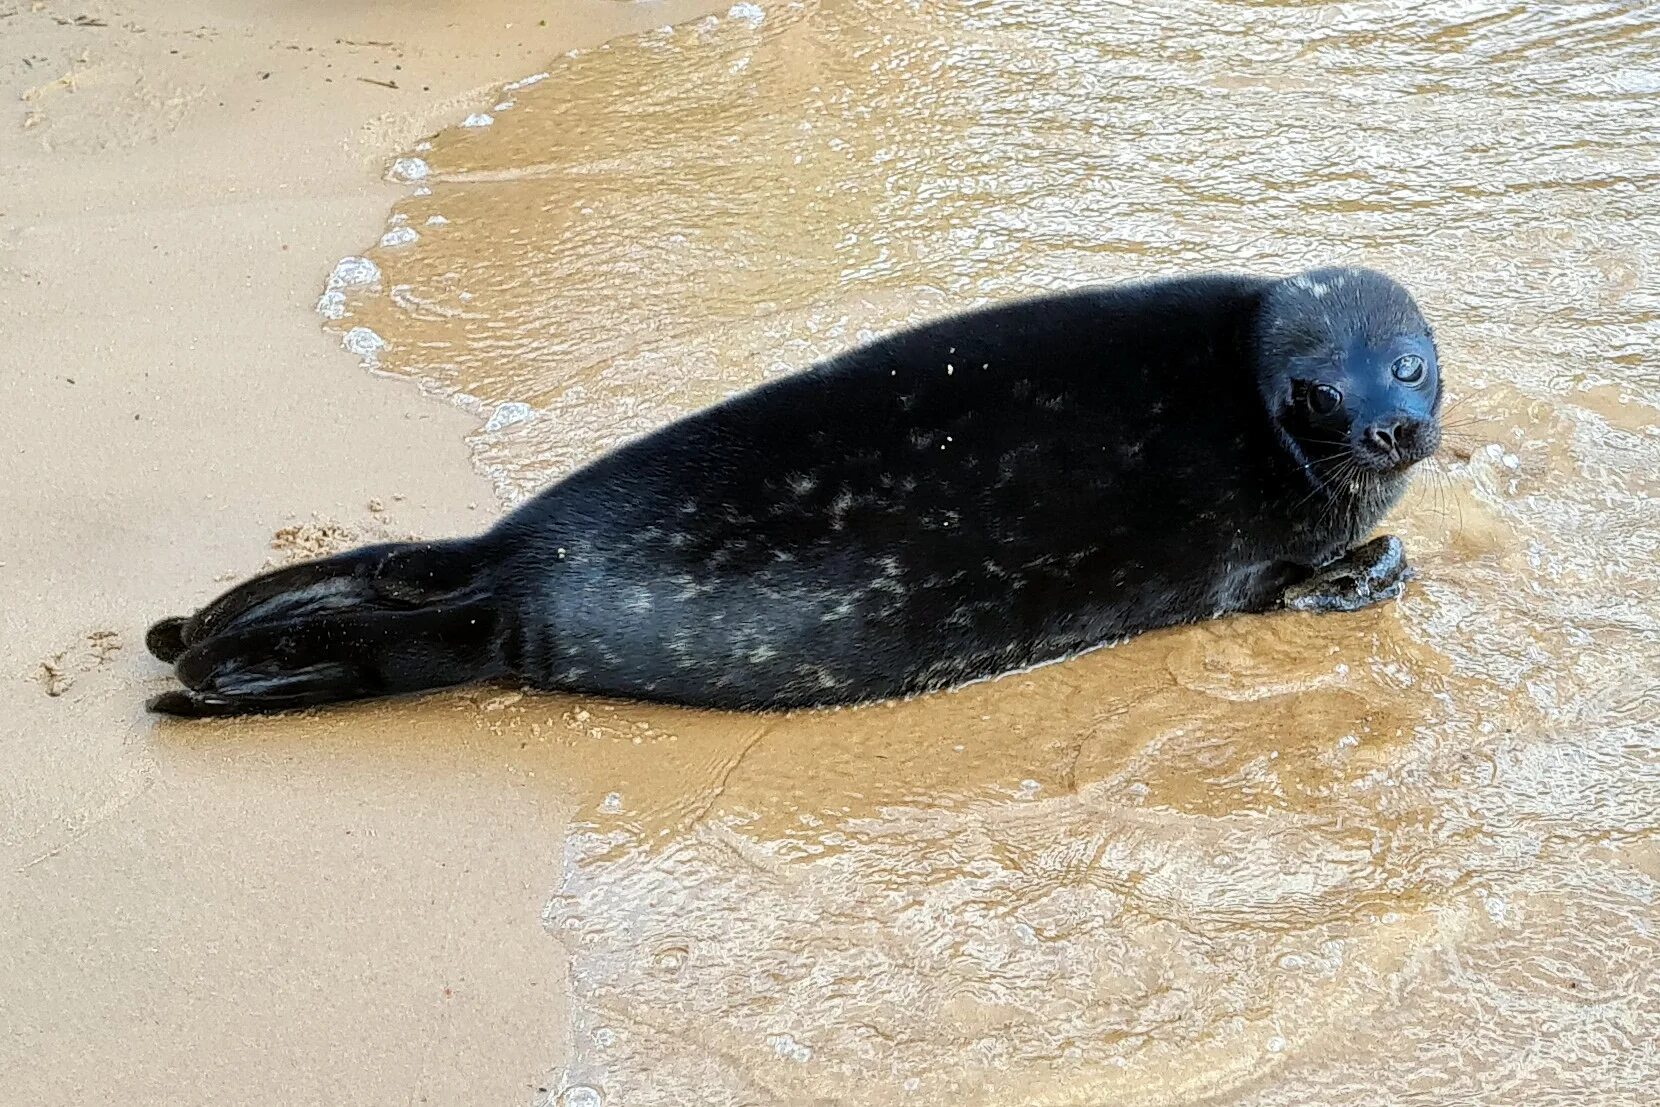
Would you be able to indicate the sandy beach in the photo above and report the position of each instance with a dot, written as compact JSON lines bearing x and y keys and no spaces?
{"x":333,"y":917}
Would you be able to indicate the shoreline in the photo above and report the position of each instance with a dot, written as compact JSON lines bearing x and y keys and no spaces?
{"x":337,"y":907}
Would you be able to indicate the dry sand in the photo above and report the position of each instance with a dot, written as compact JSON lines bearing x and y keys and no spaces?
{"x":334,"y":917}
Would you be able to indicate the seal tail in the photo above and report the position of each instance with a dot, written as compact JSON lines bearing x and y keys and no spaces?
{"x":379,"y":621}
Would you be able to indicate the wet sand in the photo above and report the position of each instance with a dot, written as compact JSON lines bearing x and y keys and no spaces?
{"x":1404,"y":856}
{"x":336,"y":910}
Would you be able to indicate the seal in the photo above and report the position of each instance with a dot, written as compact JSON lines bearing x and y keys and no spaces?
{"x":978,"y":494}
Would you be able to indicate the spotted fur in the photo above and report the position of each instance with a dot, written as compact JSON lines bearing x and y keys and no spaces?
{"x":979,"y":494}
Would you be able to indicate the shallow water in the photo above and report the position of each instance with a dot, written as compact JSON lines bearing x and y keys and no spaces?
{"x":1406,"y":856}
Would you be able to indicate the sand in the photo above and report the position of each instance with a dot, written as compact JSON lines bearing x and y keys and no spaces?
{"x":331,"y":915}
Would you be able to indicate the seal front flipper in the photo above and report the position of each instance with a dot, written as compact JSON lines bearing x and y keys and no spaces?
{"x":1373,"y":572}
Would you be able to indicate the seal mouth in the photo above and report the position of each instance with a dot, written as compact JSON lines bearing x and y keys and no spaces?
{"x":1401,"y":463}
{"x":1396,"y":453}
{"x":1385,"y":466}
{"x":1358,"y":470}
{"x":1394,"y":444}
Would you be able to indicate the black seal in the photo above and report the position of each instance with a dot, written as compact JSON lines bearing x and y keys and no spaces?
{"x":975,"y":495}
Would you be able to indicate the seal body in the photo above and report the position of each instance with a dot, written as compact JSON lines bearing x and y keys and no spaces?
{"x":974,"y":495}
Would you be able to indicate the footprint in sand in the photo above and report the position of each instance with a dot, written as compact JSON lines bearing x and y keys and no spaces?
{"x":56,"y":674}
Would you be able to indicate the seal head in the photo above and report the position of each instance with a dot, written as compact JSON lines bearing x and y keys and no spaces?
{"x":1351,"y":380}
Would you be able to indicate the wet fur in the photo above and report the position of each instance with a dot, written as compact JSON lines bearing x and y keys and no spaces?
{"x":968,"y":497}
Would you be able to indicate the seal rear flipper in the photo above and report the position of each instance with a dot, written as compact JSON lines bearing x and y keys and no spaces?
{"x":185,"y":704}
{"x":165,"y":638}
{"x":336,"y":655}
{"x":395,"y":574}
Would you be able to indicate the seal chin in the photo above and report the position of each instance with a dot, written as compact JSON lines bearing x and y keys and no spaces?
{"x":1361,"y":476}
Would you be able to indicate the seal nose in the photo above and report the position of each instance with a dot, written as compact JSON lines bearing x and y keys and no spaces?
{"x":1396,"y":438}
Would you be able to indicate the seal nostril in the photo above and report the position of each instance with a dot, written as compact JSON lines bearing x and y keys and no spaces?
{"x":1382,"y":436}
{"x":1407,"y":435}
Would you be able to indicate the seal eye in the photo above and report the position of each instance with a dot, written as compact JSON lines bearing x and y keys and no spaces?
{"x":1324,"y":400}
{"x":1408,"y":369}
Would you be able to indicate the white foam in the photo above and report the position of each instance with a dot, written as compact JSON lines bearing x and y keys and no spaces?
{"x":749,"y":13}
{"x":349,"y":272}
{"x":410,"y":169}
{"x":365,"y":343}
{"x":399,"y":236}
{"x":332,"y":304}
{"x":478,"y":119}
{"x":526,"y":82}
{"x":789,"y":1049}
{"x":436,"y":220}
{"x":507,"y":414}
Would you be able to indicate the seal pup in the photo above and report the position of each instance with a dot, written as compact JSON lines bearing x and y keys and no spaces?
{"x":978,"y":494}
